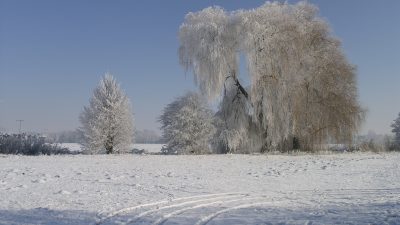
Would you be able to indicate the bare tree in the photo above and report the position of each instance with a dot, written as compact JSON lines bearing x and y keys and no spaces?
{"x":107,"y":123}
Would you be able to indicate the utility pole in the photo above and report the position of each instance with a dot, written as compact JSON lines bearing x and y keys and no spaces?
{"x":20,"y":125}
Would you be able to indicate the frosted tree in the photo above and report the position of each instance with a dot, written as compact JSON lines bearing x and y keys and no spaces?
{"x":396,"y":130}
{"x":236,"y":131}
{"x":107,"y":122}
{"x":209,"y":48}
{"x":302,"y":86}
{"x":187,"y":125}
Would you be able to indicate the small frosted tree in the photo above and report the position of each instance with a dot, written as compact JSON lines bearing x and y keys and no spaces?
{"x":396,"y":130}
{"x":107,"y":123}
{"x":187,"y":125}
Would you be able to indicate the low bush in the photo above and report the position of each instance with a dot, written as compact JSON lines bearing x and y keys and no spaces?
{"x":28,"y":144}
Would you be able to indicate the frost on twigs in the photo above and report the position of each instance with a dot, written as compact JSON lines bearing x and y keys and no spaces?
{"x":302,"y":86}
{"x":208,"y":48}
{"x":187,"y":125}
{"x":107,"y":122}
{"x":396,"y":131}
{"x":236,"y":131}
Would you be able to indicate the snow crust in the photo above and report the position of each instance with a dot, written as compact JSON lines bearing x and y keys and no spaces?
{"x":361,"y":188}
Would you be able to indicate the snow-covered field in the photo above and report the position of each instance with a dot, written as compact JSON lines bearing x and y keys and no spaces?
{"x":148,"y":148}
{"x":73,"y":147}
{"x":211,"y":189}
{"x":144,"y":148}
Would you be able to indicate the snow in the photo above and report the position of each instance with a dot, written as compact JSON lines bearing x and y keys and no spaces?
{"x":72,"y":147}
{"x":146,"y":148}
{"x":357,"y":188}
{"x":149,"y":148}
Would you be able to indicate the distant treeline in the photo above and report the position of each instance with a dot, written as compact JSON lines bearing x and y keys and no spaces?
{"x":148,"y":137}
{"x":76,"y":136}
{"x":377,"y":143}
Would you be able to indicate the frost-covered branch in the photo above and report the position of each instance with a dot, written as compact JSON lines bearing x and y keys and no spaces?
{"x":107,"y":123}
{"x":300,"y":79}
{"x":187,"y":125}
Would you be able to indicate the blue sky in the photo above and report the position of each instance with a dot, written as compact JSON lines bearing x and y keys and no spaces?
{"x":53,"y":53}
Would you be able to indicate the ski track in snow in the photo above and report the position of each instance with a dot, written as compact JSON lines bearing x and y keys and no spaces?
{"x":359,"y":188}
{"x":207,"y":219}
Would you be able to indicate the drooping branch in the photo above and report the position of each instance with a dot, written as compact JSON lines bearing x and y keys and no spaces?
{"x":241,"y":89}
{"x":238,"y":85}
{"x":287,"y":47}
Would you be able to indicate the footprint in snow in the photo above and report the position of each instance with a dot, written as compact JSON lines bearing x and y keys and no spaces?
{"x":39,"y":181}
{"x":46,"y":175}
{"x":100,"y":180}
{"x":63,"y":192}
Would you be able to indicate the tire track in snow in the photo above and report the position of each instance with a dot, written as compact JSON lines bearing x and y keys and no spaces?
{"x":165,"y":217}
{"x":215,"y":200}
{"x":115,"y":213}
{"x":210,"y":217}
{"x":349,"y":195}
{"x":158,"y":207}
{"x":128,"y":209}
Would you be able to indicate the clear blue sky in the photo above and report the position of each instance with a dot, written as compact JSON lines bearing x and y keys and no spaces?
{"x":53,"y":53}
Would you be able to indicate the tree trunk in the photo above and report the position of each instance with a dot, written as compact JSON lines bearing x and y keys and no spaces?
{"x":110,"y":145}
{"x":241,"y":88}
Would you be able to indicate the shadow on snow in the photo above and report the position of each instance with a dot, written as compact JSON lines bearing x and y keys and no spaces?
{"x":377,"y":213}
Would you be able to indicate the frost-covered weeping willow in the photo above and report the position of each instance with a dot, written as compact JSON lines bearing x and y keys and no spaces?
{"x":107,"y":123}
{"x":187,"y":125}
{"x":209,"y":48}
{"x":302,"y":86}
{"x":236,"y":131}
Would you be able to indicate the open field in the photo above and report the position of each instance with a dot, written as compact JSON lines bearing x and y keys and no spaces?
{"x":357,"y":188}
{"x":146,"y":148}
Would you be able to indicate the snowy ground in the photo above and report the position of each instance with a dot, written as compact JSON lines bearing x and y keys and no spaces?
{"x":148,"y":148}
{"x":73,"y":147}
{"x":138,"y":148}
{"x":213,"y":189}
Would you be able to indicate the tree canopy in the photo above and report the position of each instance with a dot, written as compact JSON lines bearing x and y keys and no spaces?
{"x":107,"y":123}
{"x":302,"y":86}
